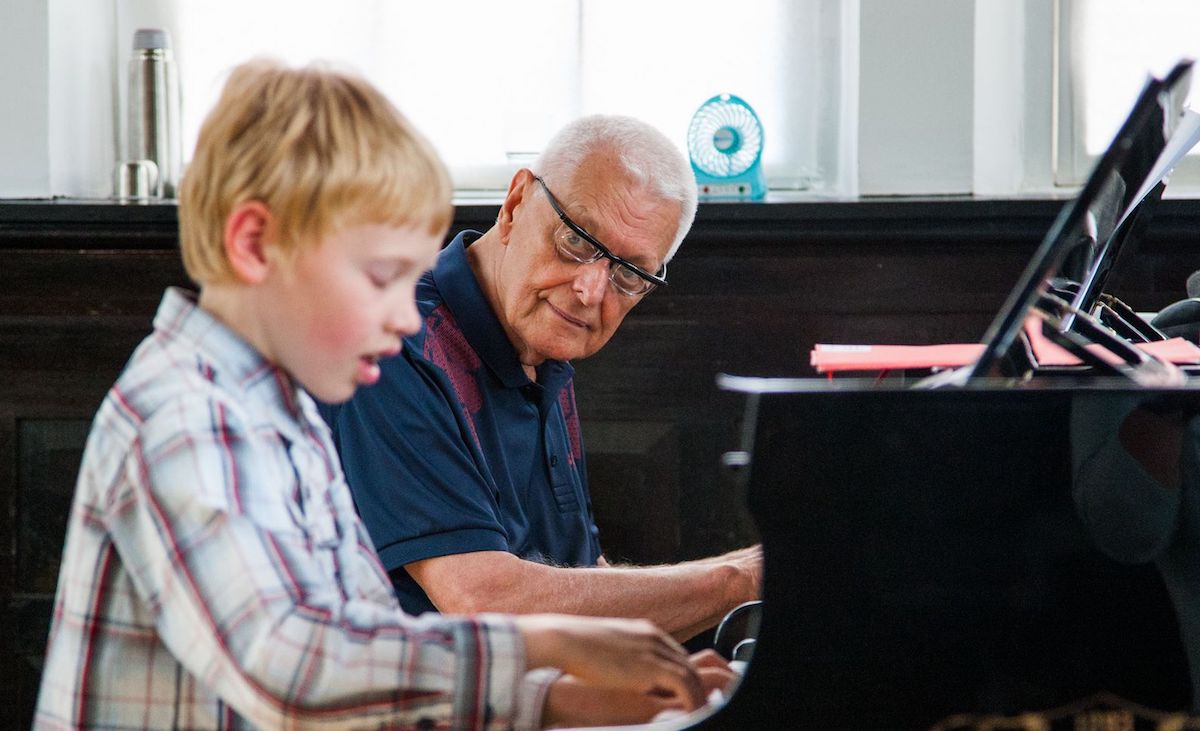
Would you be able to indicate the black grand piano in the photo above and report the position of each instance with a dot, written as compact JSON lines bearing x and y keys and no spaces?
{"x":927,"y":565}
{"x":977,"y":549}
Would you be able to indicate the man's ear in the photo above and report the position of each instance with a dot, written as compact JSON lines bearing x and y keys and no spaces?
{"x":519,"y":188}
{"x":245,"y":241}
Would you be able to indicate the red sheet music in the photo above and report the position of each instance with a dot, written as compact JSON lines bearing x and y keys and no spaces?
{"x":832,"y":358}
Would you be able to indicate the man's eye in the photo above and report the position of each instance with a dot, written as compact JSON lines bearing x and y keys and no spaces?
{"x":577,"y":242}
{"x":627,"y":278}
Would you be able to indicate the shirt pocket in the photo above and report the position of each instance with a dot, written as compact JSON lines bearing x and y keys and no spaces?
{"x":312,"y":511}
{"x":566,"y":496}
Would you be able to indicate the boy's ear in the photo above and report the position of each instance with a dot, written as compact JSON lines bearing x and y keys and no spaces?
{"x":245,"y":245}
{"x":518,"y":190}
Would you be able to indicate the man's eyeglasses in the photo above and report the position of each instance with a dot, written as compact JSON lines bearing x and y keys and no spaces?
{"x":575,"y":244}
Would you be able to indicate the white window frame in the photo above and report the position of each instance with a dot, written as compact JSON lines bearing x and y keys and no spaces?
{"x":1072,"y":162}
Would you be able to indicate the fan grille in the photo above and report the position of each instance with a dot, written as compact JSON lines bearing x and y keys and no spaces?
{"x":725,"y":137}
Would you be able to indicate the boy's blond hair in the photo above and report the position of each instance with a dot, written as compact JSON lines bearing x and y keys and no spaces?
{"x":321,"y":149}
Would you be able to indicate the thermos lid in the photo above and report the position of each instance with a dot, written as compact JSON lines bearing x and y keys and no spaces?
{"x":150,"y":39}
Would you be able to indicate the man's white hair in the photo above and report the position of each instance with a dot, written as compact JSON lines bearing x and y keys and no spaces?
{"x":645,"y":153}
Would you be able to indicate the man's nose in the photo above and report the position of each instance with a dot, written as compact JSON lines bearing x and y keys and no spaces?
{"x":591,"y":282}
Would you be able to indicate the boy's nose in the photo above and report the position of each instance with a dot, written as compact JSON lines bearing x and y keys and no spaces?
{"x":591,"y":282}
{"x":405,"y":319}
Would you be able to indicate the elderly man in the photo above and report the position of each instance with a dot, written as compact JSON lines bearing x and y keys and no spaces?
{"x":466,"y":460}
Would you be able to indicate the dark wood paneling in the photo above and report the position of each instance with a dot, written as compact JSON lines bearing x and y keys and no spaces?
{"x":48,"y":457}
{"x":85,"y":283}
{"x":634,"y":470}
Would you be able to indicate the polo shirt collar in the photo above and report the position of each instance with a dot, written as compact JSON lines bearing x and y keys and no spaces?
{"x":461,"y":292}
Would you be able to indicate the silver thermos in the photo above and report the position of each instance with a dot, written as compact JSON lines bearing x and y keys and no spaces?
{"x":154,"y":109}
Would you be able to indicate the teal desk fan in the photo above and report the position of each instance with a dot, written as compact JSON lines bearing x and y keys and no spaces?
{"x":725,"y":141}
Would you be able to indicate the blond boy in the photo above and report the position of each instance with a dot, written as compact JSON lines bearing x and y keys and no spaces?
{"x":215,"y":573}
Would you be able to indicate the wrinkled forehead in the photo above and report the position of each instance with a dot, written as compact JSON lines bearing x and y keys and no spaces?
{"x":628,"y":215}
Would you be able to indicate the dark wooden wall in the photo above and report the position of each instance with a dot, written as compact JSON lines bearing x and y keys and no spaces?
{"x":754,"y":287}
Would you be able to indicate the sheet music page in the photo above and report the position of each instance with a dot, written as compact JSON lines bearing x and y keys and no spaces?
{"x":1183,"y":139}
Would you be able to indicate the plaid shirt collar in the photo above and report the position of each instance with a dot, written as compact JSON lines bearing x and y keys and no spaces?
{"x":235,"y":363}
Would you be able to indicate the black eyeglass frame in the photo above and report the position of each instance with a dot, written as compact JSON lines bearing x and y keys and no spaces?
{"x":603,"y":251}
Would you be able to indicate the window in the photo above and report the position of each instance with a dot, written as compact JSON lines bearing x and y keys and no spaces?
{"x":490,"y":82}
{"x":1106,"y":50}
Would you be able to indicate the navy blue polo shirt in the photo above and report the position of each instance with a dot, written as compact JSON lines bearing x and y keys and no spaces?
{"x":457,"y":450}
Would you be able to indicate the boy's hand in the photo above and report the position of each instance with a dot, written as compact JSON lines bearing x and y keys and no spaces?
{"x":617,"y":654}
{"x":715,"y":673}
{"x":570,"y":702}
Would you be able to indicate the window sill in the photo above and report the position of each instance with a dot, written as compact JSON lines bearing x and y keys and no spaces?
{"x":783,"y":219}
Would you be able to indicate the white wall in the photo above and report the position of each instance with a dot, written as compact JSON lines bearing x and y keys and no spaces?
{"x":910,"y":79}
{"x":80,"y":56}
{"x":916,"y":82}
{"x":999,"y":34}
{"x":24,"y":89}
{"x":55,"y":80}
{"x":1014,"y":53}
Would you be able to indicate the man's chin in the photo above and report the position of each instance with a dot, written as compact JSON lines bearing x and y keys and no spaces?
{"x":563,"y":348}
{"x":562,"y":354}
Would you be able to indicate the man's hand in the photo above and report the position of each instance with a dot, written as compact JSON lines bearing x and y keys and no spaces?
{"x":615,"y":654}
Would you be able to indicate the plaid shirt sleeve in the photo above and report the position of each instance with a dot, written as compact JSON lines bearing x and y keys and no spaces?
{"x":261,"y":588}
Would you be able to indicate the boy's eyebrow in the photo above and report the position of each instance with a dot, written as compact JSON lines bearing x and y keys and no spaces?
{"x":390,"y":266}
{"x":393,"y":266}
{"x":394,"y":259}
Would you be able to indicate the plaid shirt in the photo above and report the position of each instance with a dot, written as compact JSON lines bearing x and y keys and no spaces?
{"x":216,"y":574}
